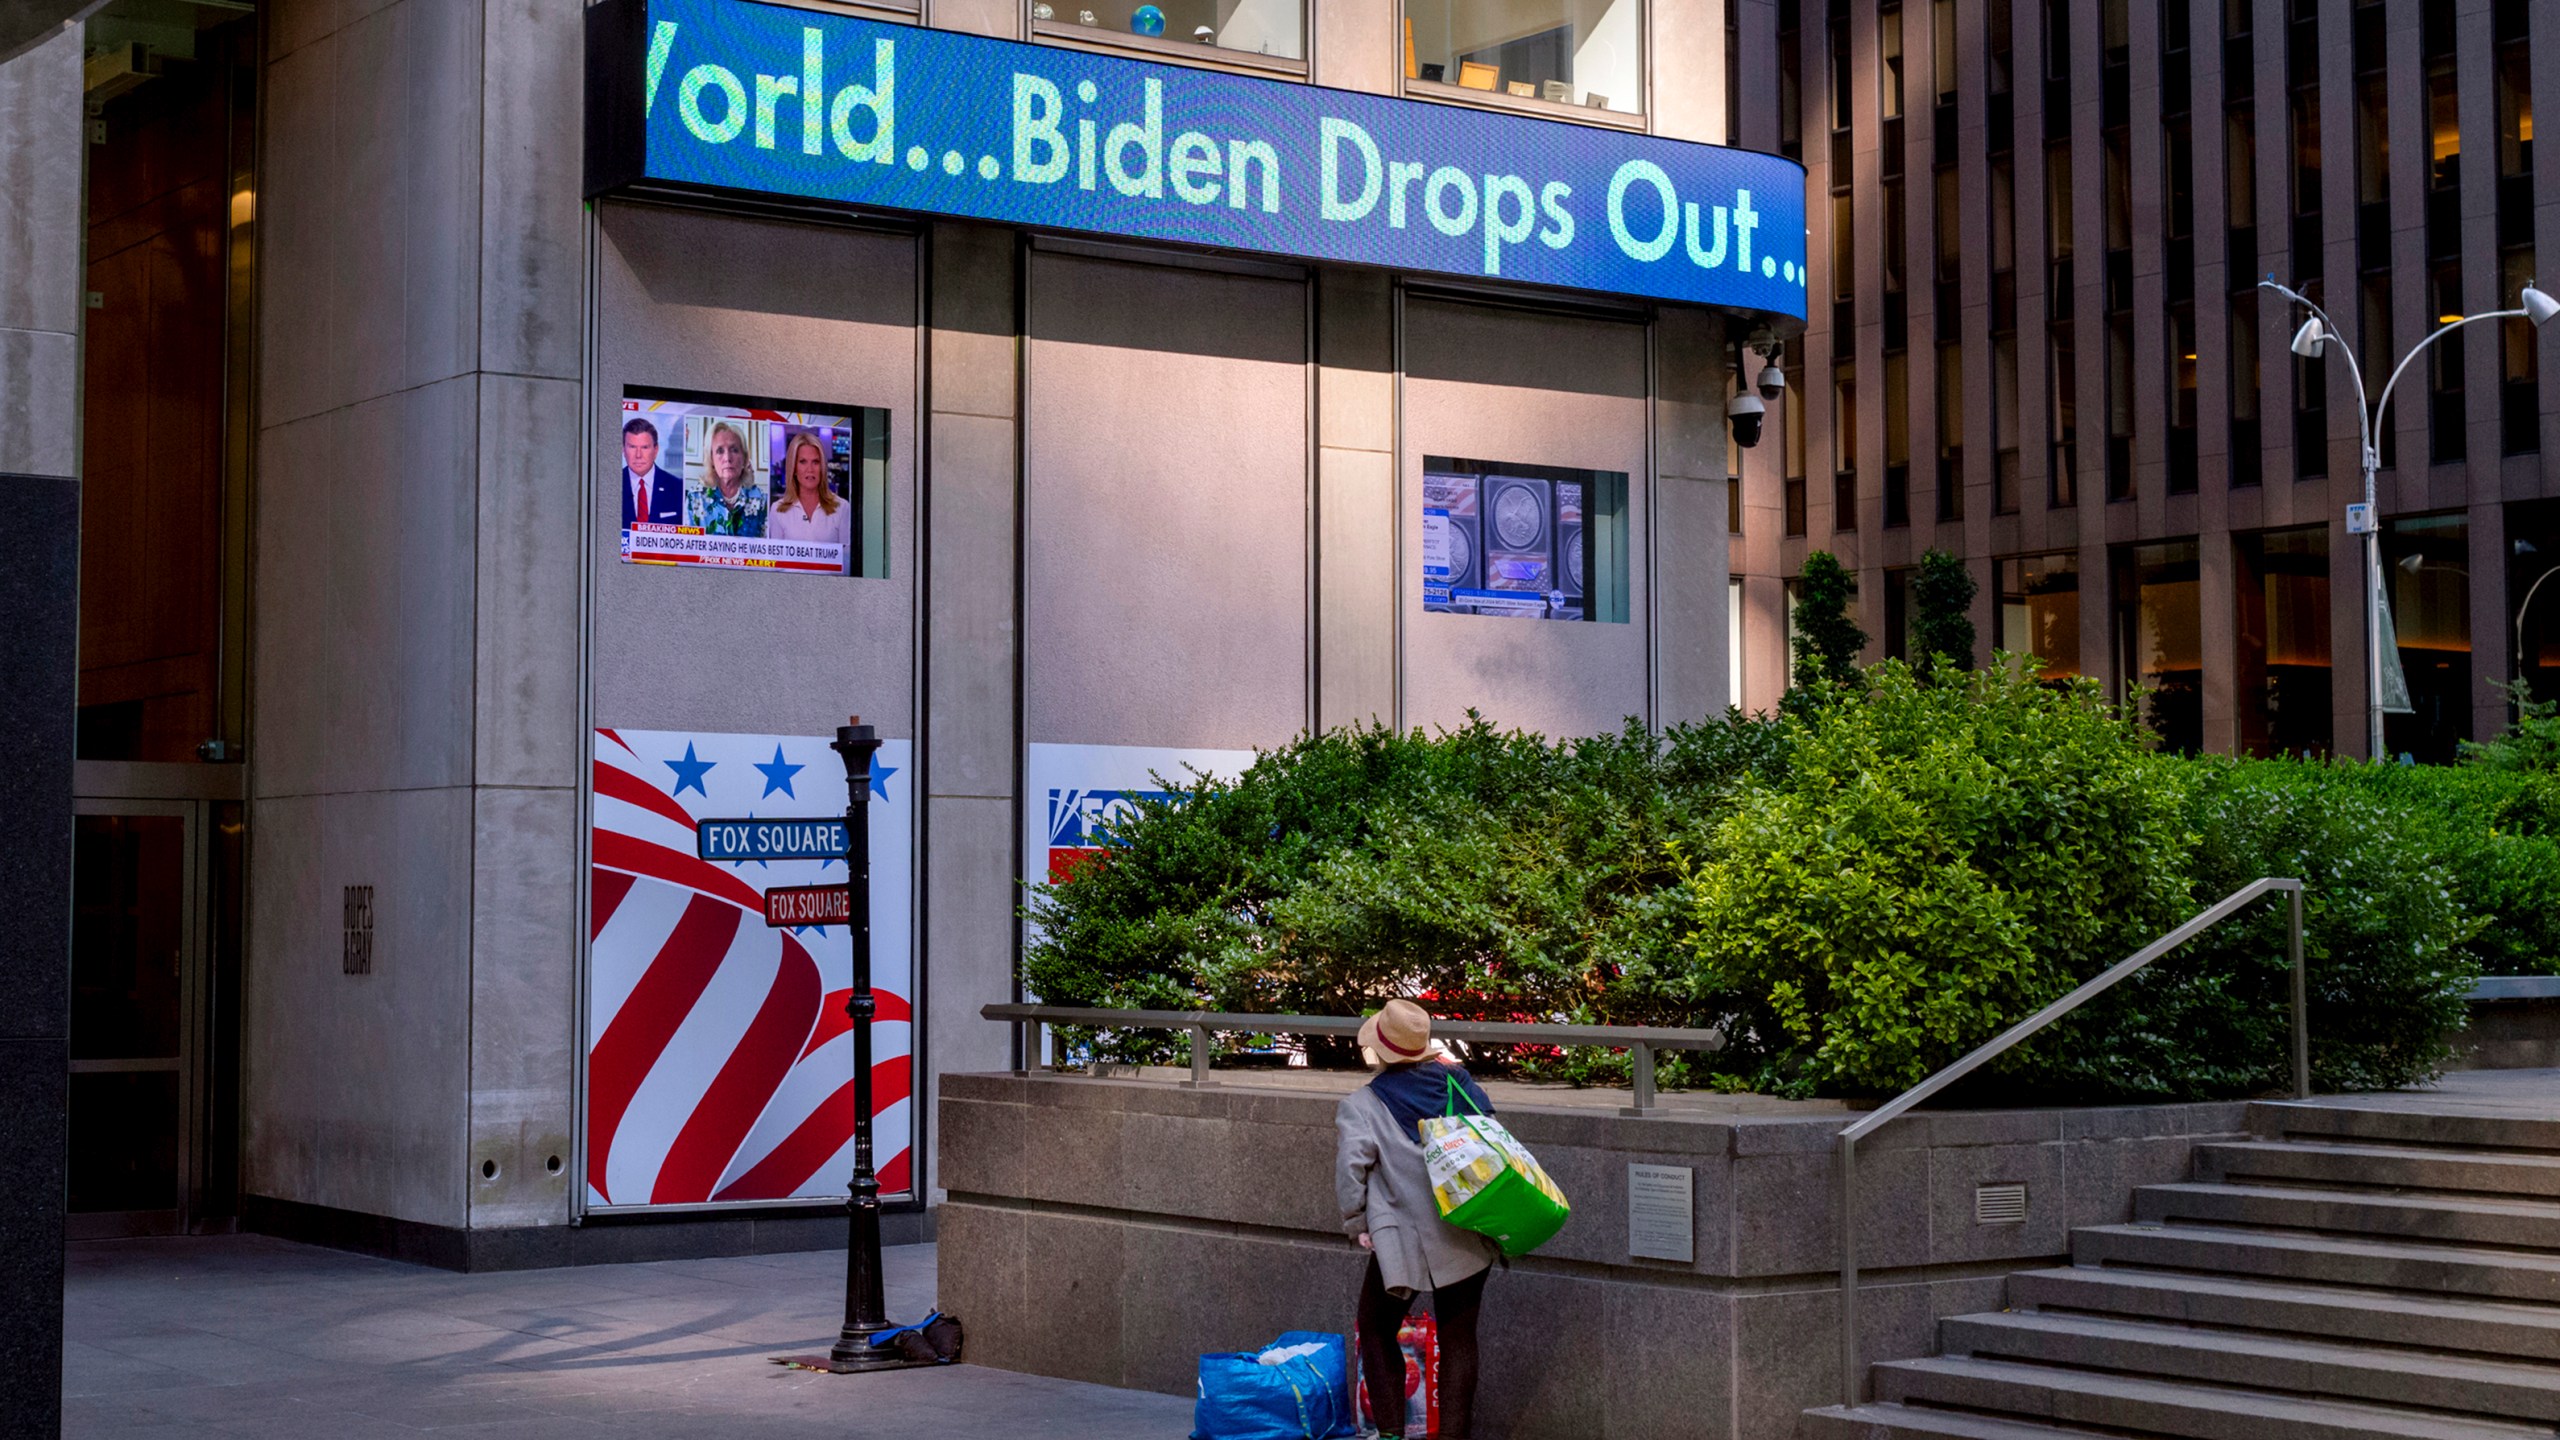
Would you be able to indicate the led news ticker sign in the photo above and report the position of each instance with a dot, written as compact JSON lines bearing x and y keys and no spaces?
{"x":733,"y":95}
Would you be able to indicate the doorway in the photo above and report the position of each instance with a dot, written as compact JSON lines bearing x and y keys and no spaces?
{"x":154,"y":985}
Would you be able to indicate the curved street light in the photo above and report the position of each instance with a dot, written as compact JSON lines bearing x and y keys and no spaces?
{"x":2312,"y":342}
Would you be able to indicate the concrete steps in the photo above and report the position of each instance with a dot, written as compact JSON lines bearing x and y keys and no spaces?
{"x":2506,"y":1389}
{"x":2455,"y":1219}
{"x":2150,"y":1405}
{"x":2386,"y":1317}
{"x":2380,"y":1271}
{"x":2343,"y":1166}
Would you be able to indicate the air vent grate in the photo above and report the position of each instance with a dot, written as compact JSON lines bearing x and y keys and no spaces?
{"x":2000,"y":1205}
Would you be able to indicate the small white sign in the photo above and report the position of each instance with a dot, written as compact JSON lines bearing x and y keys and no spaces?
{"x":2359,"y":519}
{"x":1660,"y":1213}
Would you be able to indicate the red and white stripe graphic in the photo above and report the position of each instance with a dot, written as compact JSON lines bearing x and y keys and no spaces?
{"x":720,"y":1061}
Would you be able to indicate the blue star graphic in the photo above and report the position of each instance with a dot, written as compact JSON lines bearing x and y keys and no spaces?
{"x":880,"y":778}
{"x":777,"y":776}
{"x":689,"y":771}
{"x":818,"y":930}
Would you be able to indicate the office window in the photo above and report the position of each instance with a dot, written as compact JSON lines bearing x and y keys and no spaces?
{"x":2374,"y":351}
{"x":2520,"y":360}
{"x":2120,"y":417}
{"x":2062,"y":369}
{"x":2533,"y":593}
{"x":2247,"y":439}
{"x":2447,"y":423}
{"x":1897,"y":614}
{"x":2426,"y":567}
{"x":1942,"y":50}
{"x":1843,"y":76}
{"x":2039,"y":611}
{"x":1583,"y":53}
{"x":1791,"y":79}
{"x":1889,"y":60}
{"x":2004,"y":423}
{"x":2183,"y":365}
{"x":1791,"y":410}
{"x":1897,"y":439}
{"x":1844,"y":446}
{"x":1274,"y":28}
{"x":2443,"y":115}
{"x":2303,"y":114}
{"x":2158,"y":632}
{"x":2310,"y":417}
{"x":2281,"y":644}
{"x":1951,"y":432}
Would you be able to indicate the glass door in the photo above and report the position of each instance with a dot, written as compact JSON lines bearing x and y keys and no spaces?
{"x":137,"y":1009}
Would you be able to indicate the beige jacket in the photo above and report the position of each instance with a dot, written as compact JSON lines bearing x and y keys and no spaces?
{"x":1385,"y":1192}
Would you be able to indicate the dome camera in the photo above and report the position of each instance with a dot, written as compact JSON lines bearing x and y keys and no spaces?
{"x":1746,"y":412}
{"x":1773,"y":381}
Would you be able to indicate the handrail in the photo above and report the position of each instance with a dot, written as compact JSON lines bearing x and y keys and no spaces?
{"x":1640,"y":1041}
{"x":1851,"y":1379}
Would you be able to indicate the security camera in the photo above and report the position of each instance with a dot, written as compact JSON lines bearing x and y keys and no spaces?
{"x":1773,"y":381}
{"x":1746,"y":412}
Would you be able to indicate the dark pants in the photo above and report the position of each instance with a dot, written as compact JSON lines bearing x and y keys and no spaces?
{"x":1453,"y":1309}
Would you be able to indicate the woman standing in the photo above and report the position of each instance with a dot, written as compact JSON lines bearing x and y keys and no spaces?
{"x":809,"y":509}
{"x":1387,"y":1206}
{"x":729,"y":505}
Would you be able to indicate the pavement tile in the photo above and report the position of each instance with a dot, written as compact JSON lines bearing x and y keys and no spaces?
{"x":251,"y":1336}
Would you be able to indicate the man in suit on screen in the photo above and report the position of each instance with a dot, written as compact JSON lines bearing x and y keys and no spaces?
{"x":650,"y":496}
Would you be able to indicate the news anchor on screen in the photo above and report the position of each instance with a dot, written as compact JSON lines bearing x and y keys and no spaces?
{"x":732,"y":503}
{"x":809,"y":509}
{"x":650,"y":496}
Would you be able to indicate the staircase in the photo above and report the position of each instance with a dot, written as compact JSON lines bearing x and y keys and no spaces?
{"x":2367,"y":1268}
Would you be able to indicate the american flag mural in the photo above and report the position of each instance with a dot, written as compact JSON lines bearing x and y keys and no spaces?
{"x":719,"y":1055}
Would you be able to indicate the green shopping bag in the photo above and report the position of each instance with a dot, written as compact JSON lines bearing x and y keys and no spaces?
{"x":1487,"y":1182}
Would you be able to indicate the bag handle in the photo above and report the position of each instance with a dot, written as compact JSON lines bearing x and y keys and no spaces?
{"x":1457,"y":1092}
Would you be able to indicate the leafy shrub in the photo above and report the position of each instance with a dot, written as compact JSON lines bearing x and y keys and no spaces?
{"x":1858,"y":891}
{"x":1936,"y":863}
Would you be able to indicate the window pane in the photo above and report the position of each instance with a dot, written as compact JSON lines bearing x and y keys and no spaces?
{"x":1573,"y":52}
{"x":2039,"y":611}
{"x":1259,"y":27}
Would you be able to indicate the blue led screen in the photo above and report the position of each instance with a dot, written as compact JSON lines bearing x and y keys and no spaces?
{"x":755,"y":97}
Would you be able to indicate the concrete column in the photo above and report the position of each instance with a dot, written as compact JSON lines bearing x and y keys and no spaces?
{"x":40,"y":313}
{"x":417,"y":654}
{"x":972,"y":737}
{"x":1692,"y":557}
{"x":1355,"y":499}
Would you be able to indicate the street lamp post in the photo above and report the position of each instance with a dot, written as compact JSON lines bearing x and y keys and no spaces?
{"x":2313,"y":341}
{"x":865,"y":1305}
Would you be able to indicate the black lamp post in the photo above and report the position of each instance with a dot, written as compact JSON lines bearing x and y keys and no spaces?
{"x":864,"y":1304}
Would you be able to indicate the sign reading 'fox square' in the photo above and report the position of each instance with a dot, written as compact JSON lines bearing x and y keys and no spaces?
{"x":737,"y":96}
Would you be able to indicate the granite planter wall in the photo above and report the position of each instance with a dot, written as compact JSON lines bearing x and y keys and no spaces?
{"x":1111,"y":1230}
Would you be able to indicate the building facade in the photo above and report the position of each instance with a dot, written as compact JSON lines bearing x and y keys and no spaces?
{"x":2042,"y":347}
{"x":443,"y":397}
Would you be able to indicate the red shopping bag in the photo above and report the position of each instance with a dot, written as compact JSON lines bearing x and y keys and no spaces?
{"x":1419,"y":1338}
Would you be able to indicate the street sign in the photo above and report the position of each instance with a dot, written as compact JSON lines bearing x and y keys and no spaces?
{"x":793,"y":905}
{"x":753,"y":839}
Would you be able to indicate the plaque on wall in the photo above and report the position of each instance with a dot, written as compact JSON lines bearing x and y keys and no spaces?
{"x":1661,"y":1218}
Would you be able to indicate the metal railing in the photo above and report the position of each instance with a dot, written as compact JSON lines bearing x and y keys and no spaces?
{"x":1639,"y":1041}
{"x":1852,"y":1378}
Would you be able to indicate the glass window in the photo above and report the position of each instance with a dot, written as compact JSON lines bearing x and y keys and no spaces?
{"x":1889,"y":59}
{"x":2159,"y":639}
{"x":1523,"y":542}
{"x":1951,"y":431}
{"x":2444,"y":129}
{"x":2515,"y":110}
{"x":1844,"y":445}
{"x":2062,"y":368}
{"x":2240,"y":166}
{"x":2246,"y":437}
{"x":2427,"y":566}
{"x":2039,"y":612}
{"x":1897,"y":438}
{"x":1276,"y":28}
{"x":2282,"y":645}
{"x":1586,"y":53}
{"x":1943,"y":51}
{"x":1897,"y":614}
{"x":2533,"y":594}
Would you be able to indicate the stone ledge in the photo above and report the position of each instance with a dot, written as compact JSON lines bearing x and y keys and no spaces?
{"x":1112,"y":1230}
{"x":601,"y":1240}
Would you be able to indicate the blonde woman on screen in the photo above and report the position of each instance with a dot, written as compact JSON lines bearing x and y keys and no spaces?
{"x":731,"y":503}
{"x":809,"y":509}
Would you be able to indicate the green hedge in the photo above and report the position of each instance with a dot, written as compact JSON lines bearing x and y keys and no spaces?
{"x":1857,"y":890}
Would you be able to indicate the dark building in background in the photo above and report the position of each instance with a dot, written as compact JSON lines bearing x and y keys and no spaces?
{"x":2037,"y":341}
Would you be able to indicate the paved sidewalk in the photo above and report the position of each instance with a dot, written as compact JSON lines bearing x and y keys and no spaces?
{"x":246,"y":1335}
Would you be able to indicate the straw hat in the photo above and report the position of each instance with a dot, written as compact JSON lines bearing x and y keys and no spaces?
{"x":1399,"y":1033}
